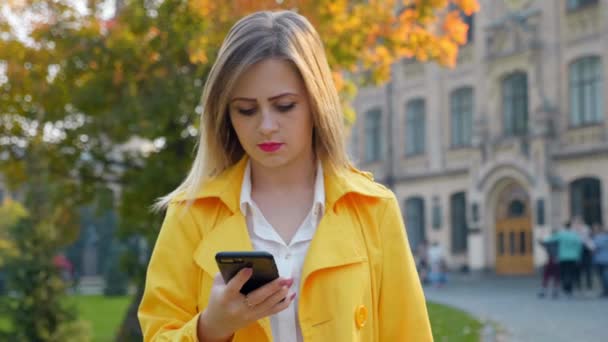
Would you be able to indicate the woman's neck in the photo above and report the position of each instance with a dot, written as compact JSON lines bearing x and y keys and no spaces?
{"x":297,"y":175}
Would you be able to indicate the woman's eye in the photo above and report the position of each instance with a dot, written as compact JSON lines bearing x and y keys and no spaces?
{"x":286,"y":108}
{"x":247,"y":111}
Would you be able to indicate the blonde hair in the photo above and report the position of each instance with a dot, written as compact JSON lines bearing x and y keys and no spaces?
{"x":284,"y":35}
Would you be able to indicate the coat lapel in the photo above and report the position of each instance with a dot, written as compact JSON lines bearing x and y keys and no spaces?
{"x":335,"y":242}
{"x":229,"y":236}
{"x":333,"y":245}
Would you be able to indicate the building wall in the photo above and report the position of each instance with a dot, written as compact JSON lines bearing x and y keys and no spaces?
{"x":440,"y":186}
{"x":541,"y":39}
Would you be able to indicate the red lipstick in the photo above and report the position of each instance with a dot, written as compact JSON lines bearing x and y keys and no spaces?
{"x":270,"y":146}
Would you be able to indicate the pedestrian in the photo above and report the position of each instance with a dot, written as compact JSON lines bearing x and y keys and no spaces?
{"x":568,"y":254}
{"x":437,"y":267}
{"x":551,"y":268}
{"x":585,"y":267}
{"x":600,"y":257}
{"x":422,"y":263}
{"x":272,"y":174}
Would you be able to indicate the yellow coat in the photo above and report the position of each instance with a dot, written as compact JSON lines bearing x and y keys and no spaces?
{"x":359,"y":281}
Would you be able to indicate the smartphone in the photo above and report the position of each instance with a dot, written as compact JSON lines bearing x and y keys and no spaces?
{"x":264,"y":267}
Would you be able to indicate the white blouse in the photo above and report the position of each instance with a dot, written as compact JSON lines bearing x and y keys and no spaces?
{"x":288,"y":257}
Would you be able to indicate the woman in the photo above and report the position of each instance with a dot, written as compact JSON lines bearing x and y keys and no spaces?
{"x":271,"y":173}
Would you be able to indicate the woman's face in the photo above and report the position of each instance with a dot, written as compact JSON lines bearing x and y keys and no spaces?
{"x":270,"y":113}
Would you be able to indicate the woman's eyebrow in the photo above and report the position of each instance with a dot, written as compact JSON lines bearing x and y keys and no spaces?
{"x":242,"y":99}
{"x":269,"y":99}
{"x":281,"y":95}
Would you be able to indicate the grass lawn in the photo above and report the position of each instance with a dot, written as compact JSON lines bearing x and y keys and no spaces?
{"x":450,"y":324}
{"x":103,"y":313}
{"x":106,"y":313}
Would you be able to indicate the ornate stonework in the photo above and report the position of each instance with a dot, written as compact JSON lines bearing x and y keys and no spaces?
{"x":514,"y":34}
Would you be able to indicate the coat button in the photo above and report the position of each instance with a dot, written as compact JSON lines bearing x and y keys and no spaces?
{"x":361,"y":316}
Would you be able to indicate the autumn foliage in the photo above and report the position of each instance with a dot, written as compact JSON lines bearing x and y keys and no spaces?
{"x":363,"y":38}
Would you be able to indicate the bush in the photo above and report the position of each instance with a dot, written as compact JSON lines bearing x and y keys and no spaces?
{"x":37,"y":310}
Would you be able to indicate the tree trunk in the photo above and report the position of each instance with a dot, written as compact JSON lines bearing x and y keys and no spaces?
{"x":129,"y":329}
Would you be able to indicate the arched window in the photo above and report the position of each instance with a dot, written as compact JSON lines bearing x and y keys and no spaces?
{"x":415,"y":127}
{"x":458,"y":218}
{"x":515,"y":104}
{"x":373,"y":142}
{"x":517,"y":208}
{"x":461,"y":108}
{"x":586,"y":91}
{"x":586,"y":200}
{"x":414,"y":220}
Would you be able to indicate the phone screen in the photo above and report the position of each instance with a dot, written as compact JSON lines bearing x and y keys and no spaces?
{"x":262,"y":263}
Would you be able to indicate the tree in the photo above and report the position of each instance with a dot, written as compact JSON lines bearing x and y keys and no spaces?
{"x":35,"y":307}
{"x":10,"y":213}
{"x":43,"y":157}
{"x":141,"y":73}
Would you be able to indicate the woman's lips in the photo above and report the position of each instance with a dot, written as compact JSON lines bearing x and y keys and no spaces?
{"x":270,"y":146}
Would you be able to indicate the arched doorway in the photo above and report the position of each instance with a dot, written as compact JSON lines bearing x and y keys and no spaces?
{"x":514,"y":231}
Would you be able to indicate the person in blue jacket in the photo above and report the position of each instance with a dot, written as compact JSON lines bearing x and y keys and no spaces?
{"x":569,"y":249}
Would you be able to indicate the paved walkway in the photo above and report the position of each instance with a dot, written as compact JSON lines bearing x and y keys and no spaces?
{"x":512,"y":303}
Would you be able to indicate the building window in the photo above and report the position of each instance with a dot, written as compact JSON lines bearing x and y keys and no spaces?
{"x":540,"y":212}
{"x":415,"y":127}
{"x":470,"y":21}
{"x":414,"y":221}
{"x":517,"y":208}
{"x":354,"y":144}
{"x":515,"y":104}
{"x":586,"y":200}
{"x":474,"y":212}
{"x":436,"y":211}
{"x":461,"y":107}
{"x":373,"y":143}
{"x":577,"y":4}
{"x":467,"y":19}
{"x":586,"y":91}
{"x":458,"y":218}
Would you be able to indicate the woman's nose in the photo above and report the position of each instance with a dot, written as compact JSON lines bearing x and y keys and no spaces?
{"x":268,"y":122}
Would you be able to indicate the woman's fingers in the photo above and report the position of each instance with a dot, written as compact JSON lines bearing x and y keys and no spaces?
{"x":281,"y":305}
{"x":260,"y":295}
{"x":236,"y":283}
{"x":272,"y":300}
{"x":218,"y":279}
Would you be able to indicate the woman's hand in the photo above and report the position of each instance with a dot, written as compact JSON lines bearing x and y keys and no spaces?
{"x":229,"y":310}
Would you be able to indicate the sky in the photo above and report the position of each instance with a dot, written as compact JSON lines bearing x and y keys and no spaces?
{"x":20,"y":23}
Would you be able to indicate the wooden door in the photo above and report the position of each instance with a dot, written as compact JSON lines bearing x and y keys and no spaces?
{"x":514,"y":246}
{"x":514,"y":240}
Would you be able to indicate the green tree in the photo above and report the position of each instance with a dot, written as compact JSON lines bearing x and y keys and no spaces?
{"x":10,"y":213}
{"x":44,"y":158}
{"x":36,"y":307}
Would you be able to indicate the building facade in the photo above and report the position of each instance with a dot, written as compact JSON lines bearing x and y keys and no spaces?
{"x":486,"y":158}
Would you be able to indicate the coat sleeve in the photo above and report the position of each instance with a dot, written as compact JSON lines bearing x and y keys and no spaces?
{"x":168,"y":310}
{"x":402,"y":308}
